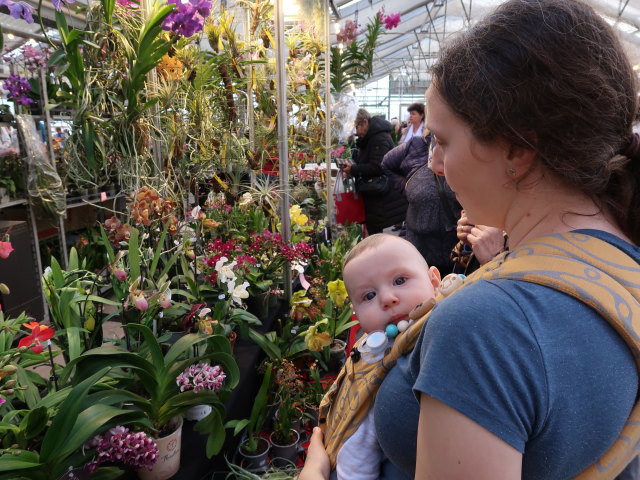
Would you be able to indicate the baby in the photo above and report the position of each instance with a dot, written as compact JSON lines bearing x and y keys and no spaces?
{"x":386,"y":278}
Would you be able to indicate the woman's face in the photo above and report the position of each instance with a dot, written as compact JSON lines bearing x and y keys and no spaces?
{"x":415,"y":118}
{"x":475,"y":171}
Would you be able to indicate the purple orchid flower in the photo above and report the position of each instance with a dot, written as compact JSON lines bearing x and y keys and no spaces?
{"x":58,"y":4}
{"x":18,"y":10}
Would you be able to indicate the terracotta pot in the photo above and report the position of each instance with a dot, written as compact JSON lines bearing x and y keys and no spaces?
{"x":257,"y":461}
{"x":168,"y":462}
{"x":284,"y":455}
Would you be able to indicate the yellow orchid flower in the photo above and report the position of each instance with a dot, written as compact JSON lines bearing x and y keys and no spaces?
{"x":301,"y":219}
{"x":337,"y":292}
{"x":316,"y":341}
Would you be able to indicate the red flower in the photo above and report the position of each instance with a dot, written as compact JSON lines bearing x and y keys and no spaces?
{"x":39,"y":334}
{"x":5,"y":249}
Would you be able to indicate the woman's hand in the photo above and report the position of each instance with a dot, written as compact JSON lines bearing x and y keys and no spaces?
{"x":464,"y":227}
{"x":317,"y":465}
{"x":486,"y":242}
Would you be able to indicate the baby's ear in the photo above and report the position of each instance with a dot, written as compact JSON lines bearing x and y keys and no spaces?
{"x":434,"y":277}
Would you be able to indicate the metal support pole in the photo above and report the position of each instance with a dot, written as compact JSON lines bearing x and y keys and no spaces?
{"x":283,"y":141}
{"x":327,"y":113}
{"x":251,"y":121}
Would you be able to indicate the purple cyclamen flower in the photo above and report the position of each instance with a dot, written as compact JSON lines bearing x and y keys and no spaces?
{"x":201,"y":376}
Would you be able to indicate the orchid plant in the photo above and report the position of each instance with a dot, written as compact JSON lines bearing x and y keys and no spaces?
{"x":352,"y":59}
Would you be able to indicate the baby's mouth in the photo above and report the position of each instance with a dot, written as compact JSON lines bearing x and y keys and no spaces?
{"x":398,"y":318}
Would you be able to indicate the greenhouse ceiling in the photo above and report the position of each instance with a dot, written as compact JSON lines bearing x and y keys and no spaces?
{"x":412,"y":47}
{"x":408,"y":50}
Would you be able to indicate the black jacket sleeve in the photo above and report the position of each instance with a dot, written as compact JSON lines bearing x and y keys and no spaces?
{"x":370,"y":158}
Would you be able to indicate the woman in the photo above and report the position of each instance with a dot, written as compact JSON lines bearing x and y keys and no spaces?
{"x":388,"y":207}
{"x":531,"y":112}
{"x":416,"y":122}
{"x":433,"y":209}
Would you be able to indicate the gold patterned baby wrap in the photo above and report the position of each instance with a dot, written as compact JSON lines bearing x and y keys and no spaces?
{"x":584,"y":267}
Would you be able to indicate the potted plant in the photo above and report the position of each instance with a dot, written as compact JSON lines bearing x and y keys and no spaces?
{"x":43,"y":442}
{"x":285,"y":435}
{"x":255,"y":448}
{"x":155,"y":383}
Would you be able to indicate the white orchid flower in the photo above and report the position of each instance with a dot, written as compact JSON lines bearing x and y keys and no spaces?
{"x":240,"y":292}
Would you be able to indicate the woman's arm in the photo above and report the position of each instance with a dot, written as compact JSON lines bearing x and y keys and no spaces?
{"x":391,"y":166}
{"x":316,"y":466}
{"x":453,"y":447}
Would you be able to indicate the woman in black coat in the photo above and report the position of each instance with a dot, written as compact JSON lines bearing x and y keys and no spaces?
{"x":374,"y":141}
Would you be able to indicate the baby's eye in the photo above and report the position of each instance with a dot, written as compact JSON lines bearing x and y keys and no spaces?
{"x":369,"y":295}
{"x":399,"y":280}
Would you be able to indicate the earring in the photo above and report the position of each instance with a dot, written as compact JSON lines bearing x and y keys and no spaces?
{"x":512,"y":172}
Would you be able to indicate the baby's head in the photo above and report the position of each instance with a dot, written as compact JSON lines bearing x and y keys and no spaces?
{"x":386,"y":277}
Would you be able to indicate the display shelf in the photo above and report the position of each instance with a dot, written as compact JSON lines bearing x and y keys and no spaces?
{"x":12,"y":203}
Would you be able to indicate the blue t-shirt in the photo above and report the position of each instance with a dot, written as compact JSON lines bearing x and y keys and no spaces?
{"x":537,"y":368}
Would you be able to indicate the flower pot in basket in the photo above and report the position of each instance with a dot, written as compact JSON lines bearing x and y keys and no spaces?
{"x":284,"y":455}
{"x":168,"y":462}
{"x":254,"y":461}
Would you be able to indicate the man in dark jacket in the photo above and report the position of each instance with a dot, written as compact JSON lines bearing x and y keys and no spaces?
{"x":374,"y":141}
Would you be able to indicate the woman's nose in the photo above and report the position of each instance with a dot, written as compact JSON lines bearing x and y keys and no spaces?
{"x":437,"y":165}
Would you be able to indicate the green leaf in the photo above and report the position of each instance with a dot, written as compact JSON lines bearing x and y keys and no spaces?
{"x":56,"y":437}
{"x":212,"y":424}
{"x":34,"y":422}
{"x":159,"y":249}
{"x":134,"y":254}
{"x":151,"y":342}
{"x":11,"y":463}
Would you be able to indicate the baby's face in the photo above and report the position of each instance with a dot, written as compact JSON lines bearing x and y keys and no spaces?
{"x":386,"y":282}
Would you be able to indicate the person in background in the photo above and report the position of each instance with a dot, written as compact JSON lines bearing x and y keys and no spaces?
{"x":433,"y":209}
{"x":396,"y":130}
{"x":416,"y":122}
{"x":528,"y":371}
{"x":374,"y":140}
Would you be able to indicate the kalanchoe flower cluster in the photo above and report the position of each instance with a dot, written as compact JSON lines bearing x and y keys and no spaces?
{"x":188,"y":17}
{"x":18,"y":10}
{"x":349,"y":32}
{"x":201,"y":376}
{"x":390,"y":21}
{"x":18,"y":88}
{"x":119,"y":445}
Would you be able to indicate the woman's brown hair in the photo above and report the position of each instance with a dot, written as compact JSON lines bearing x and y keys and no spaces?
{"x":552,"y":76}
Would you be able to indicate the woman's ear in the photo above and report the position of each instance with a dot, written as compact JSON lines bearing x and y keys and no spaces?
{"x":519,"y":160}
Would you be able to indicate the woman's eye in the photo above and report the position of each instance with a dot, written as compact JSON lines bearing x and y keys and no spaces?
{"x":369,"y":295}
{"x":400,"y":280}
